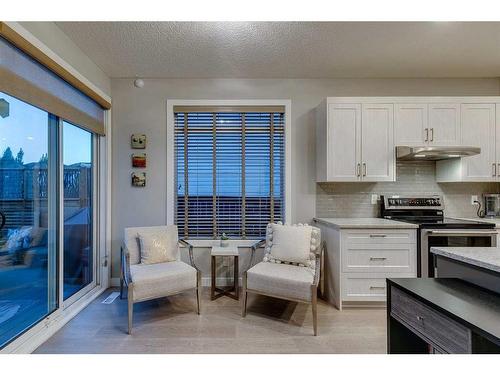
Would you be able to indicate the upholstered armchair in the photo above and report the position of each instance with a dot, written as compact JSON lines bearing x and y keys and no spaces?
{"x":290,"y":269}
{"x":146,"y":280}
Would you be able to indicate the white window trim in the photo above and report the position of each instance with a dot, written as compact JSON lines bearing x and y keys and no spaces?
{"x":171,"y":158}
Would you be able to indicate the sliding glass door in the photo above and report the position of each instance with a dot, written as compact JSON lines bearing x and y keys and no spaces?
{"x":78,"y":269}
{"x":47,"y":205}
{"x":28,"y":219}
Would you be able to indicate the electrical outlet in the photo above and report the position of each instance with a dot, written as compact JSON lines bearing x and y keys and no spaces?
{"x":374,"y":198}
{"x":473,"y":198}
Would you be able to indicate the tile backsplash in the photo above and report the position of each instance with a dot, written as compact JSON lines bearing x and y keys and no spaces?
{"x":353,"y":199}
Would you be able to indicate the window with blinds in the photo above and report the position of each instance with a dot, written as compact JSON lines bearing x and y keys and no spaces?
{"x":229,"y":171}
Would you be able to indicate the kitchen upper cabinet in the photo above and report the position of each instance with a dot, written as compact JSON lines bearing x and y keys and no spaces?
{"x":427,"y":124}
{"x":354,"y":142}
{"x":343,"y":133}
{"x":478,"y":128}
{"x":377,"y":142}
{"x":410,"y":124}
{"x":444,"y":124}
{"x":356,"y":136}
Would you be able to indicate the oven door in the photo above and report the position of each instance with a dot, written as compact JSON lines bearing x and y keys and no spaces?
{"x":450,"y":238}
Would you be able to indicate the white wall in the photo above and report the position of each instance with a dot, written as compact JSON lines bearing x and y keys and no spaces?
{"x":144,"y":110}
{"x":53,"y":37}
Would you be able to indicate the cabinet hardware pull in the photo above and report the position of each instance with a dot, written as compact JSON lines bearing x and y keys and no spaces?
{"x":427,"y":134}
{"x":498,"y":166}
{"x":378,"y":258}
{"x":358,"y":170}
{"x":378,"y":235}
{"x":377,"y":287}
{"x":494,"y":170}
{"x":432,"y":134}
{"x":364,"y":169}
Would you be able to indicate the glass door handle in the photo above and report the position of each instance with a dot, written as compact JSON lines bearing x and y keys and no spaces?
{"x":2,"y":220}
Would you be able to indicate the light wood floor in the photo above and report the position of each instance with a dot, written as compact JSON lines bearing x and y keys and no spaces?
{"x":172,"y":326}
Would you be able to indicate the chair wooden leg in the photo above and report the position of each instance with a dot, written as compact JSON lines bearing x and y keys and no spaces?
{"x":130,"y":308}
{"x":198,"y":291}
{"x":314,"y":304}
{"x":245,"y":296}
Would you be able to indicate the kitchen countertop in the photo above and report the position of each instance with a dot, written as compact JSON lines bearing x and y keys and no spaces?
{"x":364,"y":223}
{"x":493,"y":220}
{"x":484,"y":257}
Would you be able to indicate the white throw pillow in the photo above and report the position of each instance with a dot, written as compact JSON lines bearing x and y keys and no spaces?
{"x":157,"y":247}
{"x":291,"y":243}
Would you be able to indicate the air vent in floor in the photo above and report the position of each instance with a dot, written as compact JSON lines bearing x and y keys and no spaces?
{"x":111,"y":298}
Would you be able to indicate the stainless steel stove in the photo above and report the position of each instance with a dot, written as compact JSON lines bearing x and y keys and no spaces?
{"x":434,"y":228}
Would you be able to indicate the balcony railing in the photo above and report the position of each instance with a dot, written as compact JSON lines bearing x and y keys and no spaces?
{"x":29,"y":183}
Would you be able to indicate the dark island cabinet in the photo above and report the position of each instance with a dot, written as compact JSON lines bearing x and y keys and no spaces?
{"x":430,"y":316}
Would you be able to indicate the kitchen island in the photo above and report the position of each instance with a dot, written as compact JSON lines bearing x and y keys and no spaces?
{"x":438,"y":316}
{"x":457,"y":312}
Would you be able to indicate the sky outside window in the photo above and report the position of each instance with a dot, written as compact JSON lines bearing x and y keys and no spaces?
{"x":33,"y":137}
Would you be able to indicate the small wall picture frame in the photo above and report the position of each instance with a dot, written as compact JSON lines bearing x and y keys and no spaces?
{"x":139,"y":160}
{"x":138,"y":179}
{"x":138,"y":141}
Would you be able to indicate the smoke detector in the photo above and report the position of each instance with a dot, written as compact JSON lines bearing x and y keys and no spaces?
{"x":139,"y":83}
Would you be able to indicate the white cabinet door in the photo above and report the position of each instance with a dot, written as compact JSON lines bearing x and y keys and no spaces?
{"x":478,"y":129}
{"x":344,"y":132}
{"x":444,"y":124}
{"x":410,"y":124}
{"x":377,"y":142}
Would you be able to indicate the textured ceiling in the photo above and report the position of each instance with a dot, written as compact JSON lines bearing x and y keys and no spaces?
{"x":289,"y":49}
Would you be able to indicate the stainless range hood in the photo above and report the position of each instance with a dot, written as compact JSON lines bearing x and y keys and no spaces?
{"x":435,"y":152}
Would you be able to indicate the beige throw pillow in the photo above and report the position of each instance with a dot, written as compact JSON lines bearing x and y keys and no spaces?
{"x":156,"y":247}
{"x":291,"y":243}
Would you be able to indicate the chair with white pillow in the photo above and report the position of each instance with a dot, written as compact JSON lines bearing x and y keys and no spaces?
{"x":291,"y":266}
{"x":152,"y":267}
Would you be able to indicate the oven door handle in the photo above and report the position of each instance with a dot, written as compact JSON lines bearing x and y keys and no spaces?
{"x":461,"y":233}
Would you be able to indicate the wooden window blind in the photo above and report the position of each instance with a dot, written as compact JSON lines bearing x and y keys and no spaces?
{"x":229,"y":171}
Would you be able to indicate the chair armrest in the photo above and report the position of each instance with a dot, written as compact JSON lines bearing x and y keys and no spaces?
{"x":190,"y":250}
{"x":317,"y":266}
{"x":317,"y":271}
{"x":254,"y":247}
{"x":125,"y":264}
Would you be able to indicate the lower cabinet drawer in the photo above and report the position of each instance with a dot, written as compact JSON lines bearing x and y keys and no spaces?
{"x":379,"y":236}
{"x":439,"y":329}
{"x":394,"y":258}
{"x":359,"y":288}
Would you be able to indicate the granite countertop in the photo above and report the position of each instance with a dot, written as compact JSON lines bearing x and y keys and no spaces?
{"x":364,"y":223}
{"x":484,"y":257}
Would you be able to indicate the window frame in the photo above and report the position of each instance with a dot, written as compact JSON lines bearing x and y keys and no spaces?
{"x":170,"y":209}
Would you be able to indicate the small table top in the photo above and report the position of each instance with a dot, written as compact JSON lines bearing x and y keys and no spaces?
{"x":225,"y":251}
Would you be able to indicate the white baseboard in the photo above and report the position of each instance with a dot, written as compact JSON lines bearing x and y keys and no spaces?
{"x":205,"y":281}
{"x":36,"y":336}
